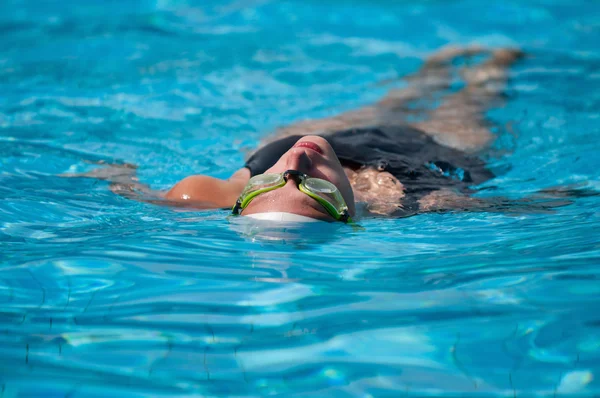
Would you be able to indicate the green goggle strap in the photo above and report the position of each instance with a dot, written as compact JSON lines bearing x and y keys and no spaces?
{"x":331,"y":209}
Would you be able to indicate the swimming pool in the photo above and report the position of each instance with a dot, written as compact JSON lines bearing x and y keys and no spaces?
{"x":102,"y":296}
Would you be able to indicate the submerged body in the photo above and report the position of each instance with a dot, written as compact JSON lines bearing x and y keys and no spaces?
{"x":374,"y":157}
{"x":380,"y":164}
{"x":390,"y":168}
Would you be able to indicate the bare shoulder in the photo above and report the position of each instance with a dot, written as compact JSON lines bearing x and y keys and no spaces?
{"x":208,"y":192}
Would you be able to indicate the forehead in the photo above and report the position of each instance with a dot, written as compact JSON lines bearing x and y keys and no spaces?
{"x":288,"y":199}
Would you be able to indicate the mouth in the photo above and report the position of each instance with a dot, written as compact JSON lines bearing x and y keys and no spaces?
{"x":309,"y":145}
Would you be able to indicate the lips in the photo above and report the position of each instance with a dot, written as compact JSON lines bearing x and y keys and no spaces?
{"x":309,"y":145}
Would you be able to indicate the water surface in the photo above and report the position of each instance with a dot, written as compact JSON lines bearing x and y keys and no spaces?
{"x":102,"y":296}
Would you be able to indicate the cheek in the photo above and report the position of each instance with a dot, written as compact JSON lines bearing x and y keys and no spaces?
{"x":278,"y":167}
{"x":338,"y":177}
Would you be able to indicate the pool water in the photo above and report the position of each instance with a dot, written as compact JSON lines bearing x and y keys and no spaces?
{"x":103,"y":296}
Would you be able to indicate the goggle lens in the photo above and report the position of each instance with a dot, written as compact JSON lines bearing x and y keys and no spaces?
{"x":317,"y":185}
{"x":262,"y":181}
{"x":265,"y":179}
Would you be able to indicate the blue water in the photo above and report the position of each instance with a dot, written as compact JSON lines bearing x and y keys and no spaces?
{"x":103,"y":296}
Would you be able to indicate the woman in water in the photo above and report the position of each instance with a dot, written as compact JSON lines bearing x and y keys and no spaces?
{"x":374,"y":157}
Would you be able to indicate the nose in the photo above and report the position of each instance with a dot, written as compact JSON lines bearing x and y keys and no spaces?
{"x":299,"y":160}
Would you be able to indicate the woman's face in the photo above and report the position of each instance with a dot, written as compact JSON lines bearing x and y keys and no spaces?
{"x":311,"y":155}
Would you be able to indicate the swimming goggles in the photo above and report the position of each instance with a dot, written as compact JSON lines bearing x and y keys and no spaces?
{"x":320,"y":190}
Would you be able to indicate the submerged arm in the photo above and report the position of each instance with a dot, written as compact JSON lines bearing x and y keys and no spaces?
{"x":198,"y":191}
{"x":544,"y":201}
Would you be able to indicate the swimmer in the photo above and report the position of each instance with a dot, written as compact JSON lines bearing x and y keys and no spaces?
{"x":399,"y":157}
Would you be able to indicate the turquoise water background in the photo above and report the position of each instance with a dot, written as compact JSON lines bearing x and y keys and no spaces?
{"x":103,"y":296}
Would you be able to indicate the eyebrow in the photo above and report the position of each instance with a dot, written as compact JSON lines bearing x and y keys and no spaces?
{"x":316,"y":205}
